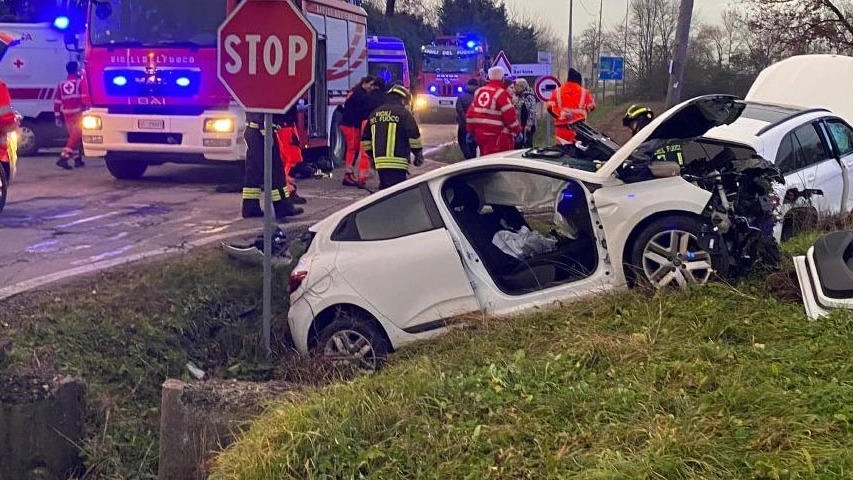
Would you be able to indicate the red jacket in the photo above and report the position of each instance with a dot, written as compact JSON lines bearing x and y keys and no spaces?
{"x":7,"y":115}
{"x":492,"y":111}
{"x":68,"y":99}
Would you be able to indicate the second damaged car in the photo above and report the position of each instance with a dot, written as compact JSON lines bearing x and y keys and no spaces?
{"x":518,"y":230}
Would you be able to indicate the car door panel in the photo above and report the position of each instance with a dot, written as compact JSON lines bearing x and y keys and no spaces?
{"x":806,"y":161}
{"x":413,"y":280}
{"x":841,"y":137}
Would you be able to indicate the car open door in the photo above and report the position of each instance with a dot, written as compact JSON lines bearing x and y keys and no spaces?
{"x":841,"y":137}
{"x":417,"y":280}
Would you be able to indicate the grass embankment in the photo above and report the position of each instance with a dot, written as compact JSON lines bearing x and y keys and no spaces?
{"x":714,"y":382}
{"x":125,"y":331}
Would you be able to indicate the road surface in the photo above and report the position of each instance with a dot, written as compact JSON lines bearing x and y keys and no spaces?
{"x":58,"y":224}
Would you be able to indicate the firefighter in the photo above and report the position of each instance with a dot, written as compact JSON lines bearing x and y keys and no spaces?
{"x":637,"y":117}
{"x":254,"y":177}
{"x":8,"y":122}
{"x":68,"y":109}
{"x":570,"y":104}
{"x":290,"y":146}
{"x":392,"y":136}
{"x":357,"y":109}
{"x":491,"y":118}
{"x":466,"y":140}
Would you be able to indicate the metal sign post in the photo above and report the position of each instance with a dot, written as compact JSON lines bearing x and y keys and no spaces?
{"x":269,"y":219}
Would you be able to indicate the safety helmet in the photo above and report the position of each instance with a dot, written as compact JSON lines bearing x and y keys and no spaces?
{"x":636,"y":112}
{"x":401,"y":91}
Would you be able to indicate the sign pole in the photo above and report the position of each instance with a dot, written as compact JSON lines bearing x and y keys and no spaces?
{"x":268,"y":226}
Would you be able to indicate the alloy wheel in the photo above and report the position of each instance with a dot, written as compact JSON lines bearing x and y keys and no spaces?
{"x":352,"y":348}
{"x":674,"y":258}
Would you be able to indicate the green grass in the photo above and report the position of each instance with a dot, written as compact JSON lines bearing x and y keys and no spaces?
{"x":717,"y":382}
{"x":127,"y":330}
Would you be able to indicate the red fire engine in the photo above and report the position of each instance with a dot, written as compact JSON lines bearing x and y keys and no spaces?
{"x":448,"y":63}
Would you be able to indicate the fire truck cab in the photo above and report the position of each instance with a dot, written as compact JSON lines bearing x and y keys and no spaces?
{"x":155,"y":97}
{"x":448,"y":63}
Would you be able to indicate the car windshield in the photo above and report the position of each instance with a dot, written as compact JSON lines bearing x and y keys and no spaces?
{"x":390,"y":72}
{"x":450,"y":64}
{"x":156,"y":22}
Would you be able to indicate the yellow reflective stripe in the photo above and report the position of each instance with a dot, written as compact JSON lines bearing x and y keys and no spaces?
{"x":367,"y":144}
{"x":416,"y":143}
{"x":276,"y":195}
{"x":251,"y":194}
{"x":373,"y":135}
{"x":392,"y":140}
{"x":392,"y":162}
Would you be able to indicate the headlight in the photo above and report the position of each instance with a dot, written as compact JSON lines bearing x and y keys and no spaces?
{"x":421,"y":102}
{"x":91,"y":122}
{"x":218,"y":125}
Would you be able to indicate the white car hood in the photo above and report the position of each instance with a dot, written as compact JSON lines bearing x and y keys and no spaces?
{"x":808,"y":81}
{"x":690,"y":119}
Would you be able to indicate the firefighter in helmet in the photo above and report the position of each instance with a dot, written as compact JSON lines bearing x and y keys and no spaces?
{"x":392,"y":136}
{"x":637,"y":117}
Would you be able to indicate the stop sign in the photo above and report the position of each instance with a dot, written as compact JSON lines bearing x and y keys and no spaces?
{"x":266,"y":55}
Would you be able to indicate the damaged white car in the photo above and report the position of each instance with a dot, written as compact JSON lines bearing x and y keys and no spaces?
{"x":513,"y":231}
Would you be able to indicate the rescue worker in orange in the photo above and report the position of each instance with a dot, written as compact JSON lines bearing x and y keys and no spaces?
{"x":290,"y":150}
{"x":570,"y":104}
{"x":492,"y":118}
{"x":68,"y":110}
{"x":8,"y":122}
{"x":357,"y":109}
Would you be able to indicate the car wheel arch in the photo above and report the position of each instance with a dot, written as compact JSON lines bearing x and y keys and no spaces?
{"x":331,"y":313}
{"x":640,"y":226}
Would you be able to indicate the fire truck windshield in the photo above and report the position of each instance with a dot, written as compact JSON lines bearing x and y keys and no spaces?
{"x":450,"y":64}
{"x":157,"y":22}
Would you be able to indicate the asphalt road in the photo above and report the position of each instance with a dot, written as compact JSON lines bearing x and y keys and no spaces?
{"x":58,"y":224}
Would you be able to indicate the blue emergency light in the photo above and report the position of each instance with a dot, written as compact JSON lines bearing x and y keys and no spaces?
{"x":471,"y":44}
{"x":61,"y":22}
{"x":182,"y":82}
{"x":459,"y":89}
{"x":119,"y":80}
{"x":433,"y":89}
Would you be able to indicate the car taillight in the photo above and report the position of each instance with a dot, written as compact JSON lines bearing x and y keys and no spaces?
{"x":296,"y":279}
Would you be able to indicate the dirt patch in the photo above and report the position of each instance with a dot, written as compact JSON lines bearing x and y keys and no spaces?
{"x":24,"y":389}
{"x":235,"y":396}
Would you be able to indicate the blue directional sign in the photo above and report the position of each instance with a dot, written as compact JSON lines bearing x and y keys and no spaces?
{"x":611,"y":68}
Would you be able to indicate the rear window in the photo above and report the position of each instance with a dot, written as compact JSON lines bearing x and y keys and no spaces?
{"x":767,"y":113}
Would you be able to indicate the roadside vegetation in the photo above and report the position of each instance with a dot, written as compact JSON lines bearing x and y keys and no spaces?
{"x":716,"y":382}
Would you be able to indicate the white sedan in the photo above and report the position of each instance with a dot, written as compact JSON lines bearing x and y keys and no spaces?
{"x":798,"y":115}
{"x":500,"y":235}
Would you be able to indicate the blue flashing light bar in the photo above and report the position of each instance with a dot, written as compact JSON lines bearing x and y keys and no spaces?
{"x":61,"y":22}
{"x":433,"y":89}
{"x":119,"y":80}
{"x":182,"y":82}
{"x":471,"y":44}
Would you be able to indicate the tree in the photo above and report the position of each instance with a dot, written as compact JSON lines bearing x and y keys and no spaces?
{"x":390,"y":7}
{"x":805,"y":25}
{"x":490,"y":19}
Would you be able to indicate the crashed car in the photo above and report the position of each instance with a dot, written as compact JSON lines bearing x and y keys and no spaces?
{"x":517,"y":230}
{"x":798,"y":113}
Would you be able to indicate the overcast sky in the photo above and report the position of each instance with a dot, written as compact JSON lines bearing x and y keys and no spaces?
{"x":556,"y":12}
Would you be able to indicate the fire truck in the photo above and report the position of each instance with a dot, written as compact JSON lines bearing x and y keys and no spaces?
{"x":387,"y":59}
{"x":150,"y":81}
{"x":448,"y":63}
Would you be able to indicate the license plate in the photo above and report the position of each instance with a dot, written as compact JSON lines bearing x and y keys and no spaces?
{"x":151,"y":124}
{"x":445,"y":102}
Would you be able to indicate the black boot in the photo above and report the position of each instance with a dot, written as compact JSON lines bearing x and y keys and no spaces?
{"x":284,"y":208}
{"x":78,"y":162}
{"x":63,"y":163}
{"x":252,"y":209}
{"x":297,"y":200}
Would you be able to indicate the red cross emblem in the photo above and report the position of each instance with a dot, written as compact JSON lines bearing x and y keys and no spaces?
{"x":18,"y":63}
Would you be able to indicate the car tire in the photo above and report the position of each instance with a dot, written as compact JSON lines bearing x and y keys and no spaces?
{"x":666,"y":253}
{"x":125,"y":168}
{"x":29,"y":138}
{"x":337,"y":144}
{"x":4,"y":185}
{"x":353,"y":340}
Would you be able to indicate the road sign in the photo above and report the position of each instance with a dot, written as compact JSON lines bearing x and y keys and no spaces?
{"x":545,"y":57}
{"x":266,"y":55}
{"x":502,"y":61}
{"x":531,"y":69}
{"x":611,"y":68}
{"x":545,"y":86}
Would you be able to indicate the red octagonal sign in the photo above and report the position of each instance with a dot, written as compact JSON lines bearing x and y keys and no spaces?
{"x":266,"y":55}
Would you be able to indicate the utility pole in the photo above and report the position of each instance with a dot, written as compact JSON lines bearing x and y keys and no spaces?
{"x":679,"y":54}
{"x":597,"y":60}
{"x":625,"y":49}
{"x":571,"y":38}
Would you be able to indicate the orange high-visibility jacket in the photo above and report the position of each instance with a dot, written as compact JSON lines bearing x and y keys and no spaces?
{"x":68,"y":99}
{"x":570,"y":104}
{"x":492,"y":111}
